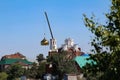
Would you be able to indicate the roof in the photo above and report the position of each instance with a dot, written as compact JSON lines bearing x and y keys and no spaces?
{"x":84,"y":54}
{"x":11,"y":61}
{"x":16,"y":55}
{"x":82,"y":60}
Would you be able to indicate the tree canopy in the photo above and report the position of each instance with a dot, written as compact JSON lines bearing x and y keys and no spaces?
{"x":106,"y":45}
{"x":64,"y":64}
{"x":15,"y":71}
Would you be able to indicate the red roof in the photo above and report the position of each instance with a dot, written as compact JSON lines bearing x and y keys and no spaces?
{"x":16,"y":55}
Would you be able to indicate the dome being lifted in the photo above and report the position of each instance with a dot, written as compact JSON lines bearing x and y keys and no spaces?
{"x":44,"y":42}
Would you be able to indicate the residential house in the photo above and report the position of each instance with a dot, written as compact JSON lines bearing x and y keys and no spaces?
{"x":8,"y":60}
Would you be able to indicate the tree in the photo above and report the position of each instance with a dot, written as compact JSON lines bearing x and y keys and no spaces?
{"x":41,"y":70}
{"x":40,"y":57}
{"x":32,"y":73}
{"x":15,"y":71}
{"x":64,"y":65}
{"x":36,"y":71}
{"x":42,"y":65}
{"x":3,"y":76}
{"x":106,"y":45}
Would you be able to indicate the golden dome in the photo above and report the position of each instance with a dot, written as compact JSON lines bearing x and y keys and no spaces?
{"x":44,"y":42}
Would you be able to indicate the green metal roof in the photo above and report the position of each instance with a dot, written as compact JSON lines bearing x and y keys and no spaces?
{"x":82,"y":60}
{"x":11,"y":61}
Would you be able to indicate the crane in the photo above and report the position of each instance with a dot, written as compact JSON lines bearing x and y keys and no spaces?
{"x":49,"y":25}
{"x":53,"y":45}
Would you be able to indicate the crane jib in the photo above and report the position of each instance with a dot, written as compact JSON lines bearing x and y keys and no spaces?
{"x":49,"y":25}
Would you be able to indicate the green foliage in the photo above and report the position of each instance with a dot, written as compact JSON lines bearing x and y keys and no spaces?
{"x":40,"y":57}
{"x":3,"y":76}
{"x":41,"y":69}
{"x":106,"y":44}
{"x":32,"y":73}
{"x":37,"y":69}
{"x":15,"y":71}
{"x":63,"y":62}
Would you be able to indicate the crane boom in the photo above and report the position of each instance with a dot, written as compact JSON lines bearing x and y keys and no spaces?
{"x":49,"y":26}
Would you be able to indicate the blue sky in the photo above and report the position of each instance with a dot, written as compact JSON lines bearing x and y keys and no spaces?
{"x":23,"y":23}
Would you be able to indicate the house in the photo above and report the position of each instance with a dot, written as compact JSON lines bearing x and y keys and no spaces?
{"x":16,"y":55}
{"x":8,"y":60}
{"x":82,"y":60}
